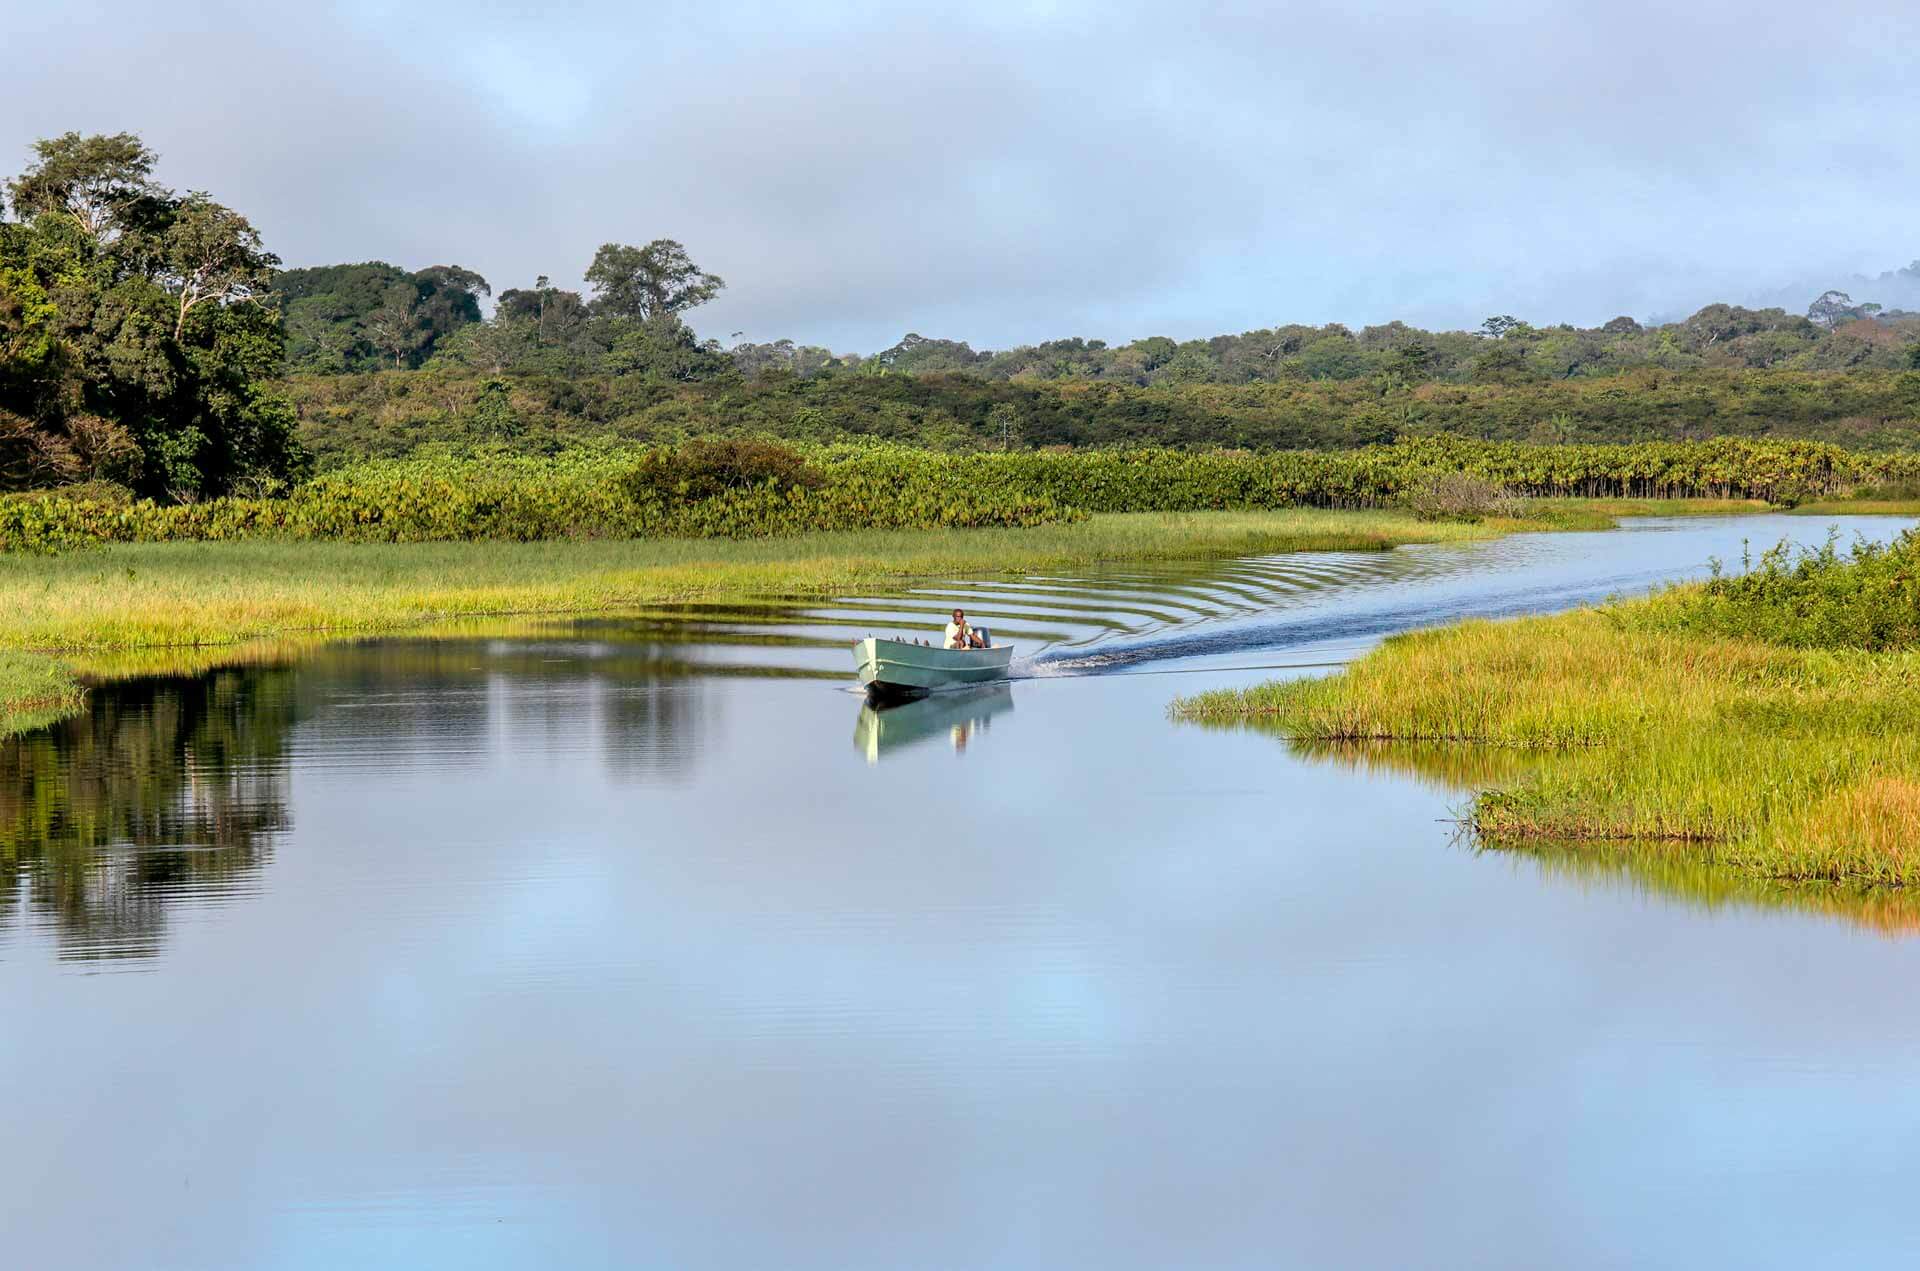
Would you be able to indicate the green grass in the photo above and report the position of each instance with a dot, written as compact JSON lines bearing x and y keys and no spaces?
{"x":1790,"y":764}
{"x":133,"y":608}
{"x":34,"y":690}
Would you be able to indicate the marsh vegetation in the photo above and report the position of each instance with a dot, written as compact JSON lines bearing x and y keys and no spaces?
{"x":1767,"y":719}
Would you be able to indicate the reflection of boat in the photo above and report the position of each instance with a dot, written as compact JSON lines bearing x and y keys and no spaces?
{"x":900,"y":668}
{"x":957,"y":716}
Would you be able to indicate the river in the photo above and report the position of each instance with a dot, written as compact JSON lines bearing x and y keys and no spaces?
{"x":641,"y":942}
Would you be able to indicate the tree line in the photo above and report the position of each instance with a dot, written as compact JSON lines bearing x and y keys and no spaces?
{"x":149,"y":338}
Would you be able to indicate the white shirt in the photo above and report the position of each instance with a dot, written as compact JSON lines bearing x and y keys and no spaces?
{"x":957,"y":635}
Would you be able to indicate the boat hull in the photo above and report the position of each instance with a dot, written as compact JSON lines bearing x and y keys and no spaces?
{"x":903,"y":669}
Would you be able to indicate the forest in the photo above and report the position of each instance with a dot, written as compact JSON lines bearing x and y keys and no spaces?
{"x":149,"y":339}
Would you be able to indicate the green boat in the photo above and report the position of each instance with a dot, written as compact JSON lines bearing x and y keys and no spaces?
{"x":901,"y":668}
{"x":958,"y":718}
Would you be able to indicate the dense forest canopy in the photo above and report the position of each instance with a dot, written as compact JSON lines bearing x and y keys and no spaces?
{"x":148,"y":337}
{"x":373,"y":316}
{"x":136,"y":343}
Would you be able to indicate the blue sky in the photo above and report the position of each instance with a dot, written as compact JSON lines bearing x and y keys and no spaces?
{"x":1003,"y":173}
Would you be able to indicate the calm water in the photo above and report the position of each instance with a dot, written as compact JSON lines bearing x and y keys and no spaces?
{"x":642,"y":943}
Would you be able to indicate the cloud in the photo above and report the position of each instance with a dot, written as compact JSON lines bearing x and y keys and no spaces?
{"x":1003,"y":173}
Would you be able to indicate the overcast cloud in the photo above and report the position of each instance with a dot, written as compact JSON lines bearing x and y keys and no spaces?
{"x":1004,"y":173}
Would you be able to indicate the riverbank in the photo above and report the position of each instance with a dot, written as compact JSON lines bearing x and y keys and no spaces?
{"x":80,"y":615}
{"x":1768,"y":722}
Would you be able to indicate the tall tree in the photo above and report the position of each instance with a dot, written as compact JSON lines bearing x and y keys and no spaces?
{"x":212,"y":253}
{"x":97,"y":181}
{"x":398,"y":328}
{"x":1836,"y":307}
{"x":131,"y":326}
{"x":331,"y":312}
{"x":648,"y":282}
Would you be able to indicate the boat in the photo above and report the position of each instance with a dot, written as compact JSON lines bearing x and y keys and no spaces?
{"x":901,"y":668}
{"x":959,"y":717}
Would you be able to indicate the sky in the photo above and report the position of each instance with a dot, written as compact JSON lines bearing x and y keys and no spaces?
{"x":1005,"y":173}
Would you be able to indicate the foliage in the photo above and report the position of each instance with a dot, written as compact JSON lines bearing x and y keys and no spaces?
{"x":344,"y":318}
{"x":343,"y":418}
{"x":745,"y":488}
{"x":1867,"y":597}
{"x":718,"y":491}
{"x":654,"y":281}
{"x":133,"y":341}
{"x":710,"y":469}
{"x":1457,"y":496}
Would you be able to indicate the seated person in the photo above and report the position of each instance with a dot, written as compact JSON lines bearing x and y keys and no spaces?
{"x":960,"y":635}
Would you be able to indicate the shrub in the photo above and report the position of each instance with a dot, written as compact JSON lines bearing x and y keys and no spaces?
{"x":1867,"y":597}
{"x":1456,"y":496}
{"x":706,"y":469}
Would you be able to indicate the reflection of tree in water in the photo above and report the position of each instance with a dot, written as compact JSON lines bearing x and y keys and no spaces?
{"x":652,"y":728}
{"x":160,"y":791}
{"x":640,"y":705}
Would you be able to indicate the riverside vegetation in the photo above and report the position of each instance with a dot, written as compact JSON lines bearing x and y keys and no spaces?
{"x":750,"y":488}
{"x":613,"y":526}
{"x":1767,"y":720}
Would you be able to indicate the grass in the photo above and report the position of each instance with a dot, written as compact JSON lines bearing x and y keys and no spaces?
{"x":34,"y":690}
{"x":127,"y":608}
{"x":1790,"y":764}
{"x":99,"y":614}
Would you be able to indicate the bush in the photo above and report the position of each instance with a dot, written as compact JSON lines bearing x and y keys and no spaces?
{"x":1456,"y":496}
{"x":707,"y":469}
{"x":1865,"y":598}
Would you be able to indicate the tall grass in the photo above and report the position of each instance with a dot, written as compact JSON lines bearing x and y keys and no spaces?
{"x":1769,"y":722}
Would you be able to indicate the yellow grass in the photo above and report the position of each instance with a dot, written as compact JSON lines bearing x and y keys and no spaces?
{"x":1785,"y":763}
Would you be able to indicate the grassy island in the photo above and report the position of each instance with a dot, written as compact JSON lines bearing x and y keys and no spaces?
{"x":1767,"y":720}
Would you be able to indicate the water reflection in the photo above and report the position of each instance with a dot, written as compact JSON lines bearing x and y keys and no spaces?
{"x":158,"y":789}
{"x":170,"y":790}
{"x":1891,"y":911}
{"x":959,"y":718}
{"x":1654,"y":870}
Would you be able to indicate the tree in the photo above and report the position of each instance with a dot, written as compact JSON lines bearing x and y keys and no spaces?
{"x":917,"y":354}
{"x":1496,"y":328}
{"x":97,"y":181}
{"x":556,"y":315}
{"x":330,"y":312}
{"x":665,"y":348}
{"x":212,"y":253}
{"x":130,"y":332}
{"x":398,"y":328}
{"x":646,"y":282}
{"x":1836,"y":307}
{"x":493,"y":347}
{"x":1412,"y":361}
{"x":448,"y":298}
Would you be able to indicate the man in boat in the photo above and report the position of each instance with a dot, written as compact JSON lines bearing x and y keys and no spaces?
{"x":962,"y":636}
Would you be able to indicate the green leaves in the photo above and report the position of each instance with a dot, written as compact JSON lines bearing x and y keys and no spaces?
{"x":127,"y":307}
